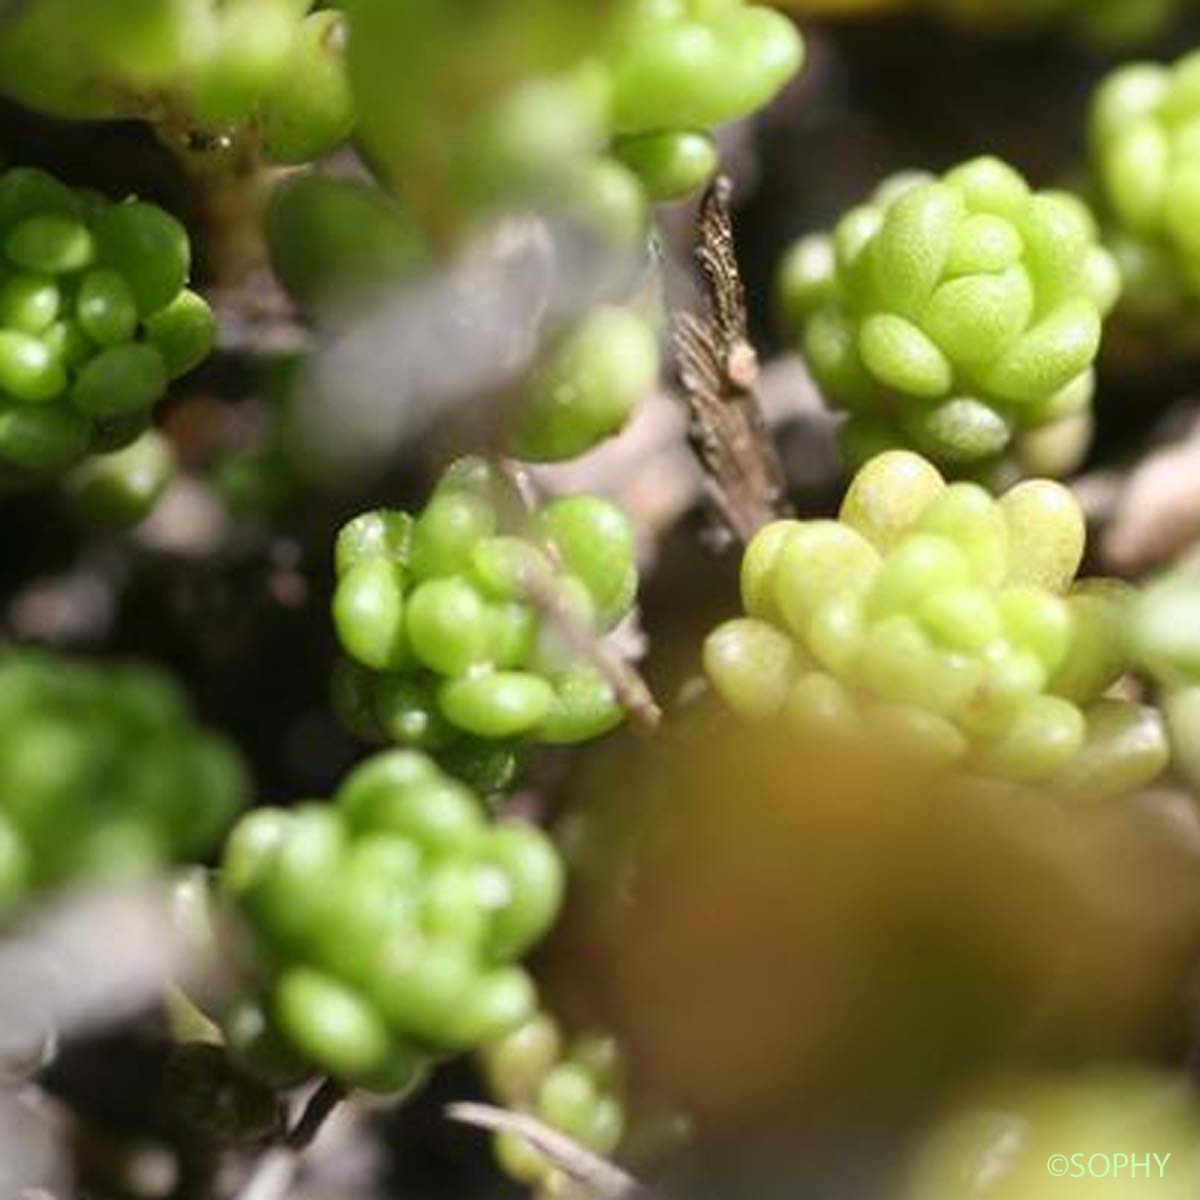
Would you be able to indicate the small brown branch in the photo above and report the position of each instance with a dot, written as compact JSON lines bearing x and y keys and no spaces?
{"x":627,"y":684}
{"x":597,"y":1175}
{"x":718,"y":368}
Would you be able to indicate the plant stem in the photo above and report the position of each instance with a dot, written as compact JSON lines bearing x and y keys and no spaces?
{"x":596,"y":1174}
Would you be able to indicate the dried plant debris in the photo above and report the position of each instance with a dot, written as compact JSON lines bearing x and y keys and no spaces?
{"x":718,"y":367}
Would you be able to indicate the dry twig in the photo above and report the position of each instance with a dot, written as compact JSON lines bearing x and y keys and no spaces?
{"x":626,"y":682}
{"x":718,"y":368}
{"x":596,"y":1175}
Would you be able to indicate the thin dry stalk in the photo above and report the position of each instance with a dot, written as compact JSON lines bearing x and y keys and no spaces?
{"x":718,"y":368}
{"x":595,"y":1175}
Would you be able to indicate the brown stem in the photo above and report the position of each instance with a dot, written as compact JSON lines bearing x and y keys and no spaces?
{"x":627,"y":684}
{"x":600,"y":1177}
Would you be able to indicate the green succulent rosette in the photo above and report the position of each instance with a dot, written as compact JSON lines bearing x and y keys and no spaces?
{"x":384,"y":929}
{"x":96,"y":320}
{"x":457,"y":621}
{"x":588,"y":111}
{"x":1145,"y":155}
{"x":106,"y":777}
{"x":934,"y":617}
{"x":955,"y":315}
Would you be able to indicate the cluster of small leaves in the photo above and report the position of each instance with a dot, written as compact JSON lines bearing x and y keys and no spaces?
{"x":95,"y":321}
{"x":679,"y":69}
{"x":386,"y":926}
{"x":621,"y":122}
{"x":575,"y":1088}
{"x":950,"y":315}
{"x":202,"y":70}
{"x":936,"y":617}
{"x":460,"y":620}
{"x":1146,"y":167}
{"x":596,"y":109}
{"x":105,"y":775}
